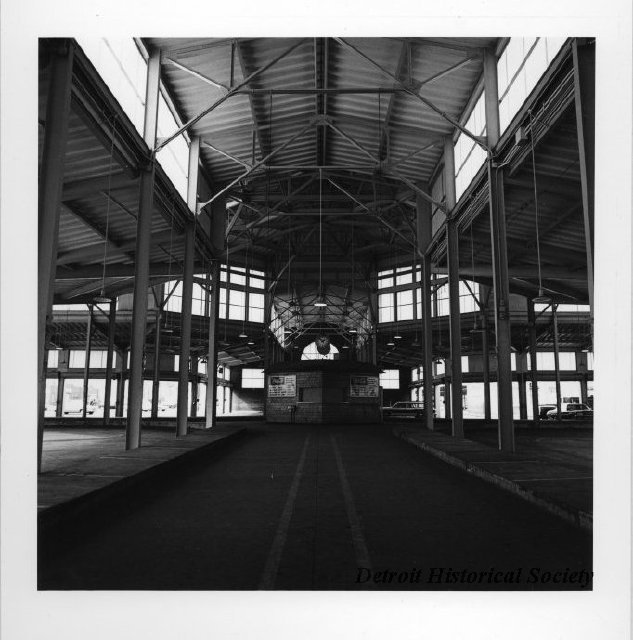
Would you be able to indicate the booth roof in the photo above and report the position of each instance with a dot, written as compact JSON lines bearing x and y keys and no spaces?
{"x":329,"y":366}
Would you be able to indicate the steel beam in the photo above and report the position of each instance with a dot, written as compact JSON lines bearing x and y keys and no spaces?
{"x":50,"y":193}
{"x":411,"y":92}
{"x":452,"y":244}
{"x":500,"y":259}
{"x":141,"y":279}
{"x":226,"y":96}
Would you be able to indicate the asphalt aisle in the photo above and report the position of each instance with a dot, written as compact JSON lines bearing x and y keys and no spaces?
{"x":331,"y":507}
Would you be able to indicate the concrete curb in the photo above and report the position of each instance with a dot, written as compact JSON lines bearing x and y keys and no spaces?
{"x":576,"y":517}
{"x":84,"y":505}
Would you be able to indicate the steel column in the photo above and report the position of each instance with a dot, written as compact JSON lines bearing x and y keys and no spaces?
{"x":424,"y":233}
{"x":50,"y":192}
{"x":531,"y":316}
{"x":212,"y":355}
{"x":141,"y":276}
{"x":156,"y":373}
{"x":584,"y":94}
{"x":60,"y":395}
{"x":556,"y":360}
{"x":521,"y":360}
{"x":87,"y":362}
{"x":193,"y":411}
{"x":109,"y":357}
{"x":499,"y":258}
{"x":485,"y":347}
{"x":452,"y":250}
{"x":185,"y":335}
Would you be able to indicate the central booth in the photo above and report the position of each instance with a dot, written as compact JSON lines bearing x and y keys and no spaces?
{"x":323,"y":392}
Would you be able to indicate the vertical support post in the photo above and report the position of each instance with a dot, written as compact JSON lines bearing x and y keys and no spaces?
{"x":485,"y":347}
{"x":109,"y":357}
{"x":499,"y":258}
{"x":268,"y":301}
{"x":60,"y":395}
{"x":87,"y":362}
{"x":185,"y":335}
{"x":447,"y":389}
{"x":521,"y":360}
{"x":193,"y":411}
{"x":584,"y":94}
{"x":424,"y":233}
{"x":212,"y":355}
{"x":120,"y":387}
{"x":187,"y":291}
{"x":533,"y":361}
{"x":452,"y":250}
{"x":556,"y":359}
{"x":373,"y":309}
{"x":50,"y":192}
{"x":156,"y":372}
{"x":582,"y":372}
{"x":141,"y":275}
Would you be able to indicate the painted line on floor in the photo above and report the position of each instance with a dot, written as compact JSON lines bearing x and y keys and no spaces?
{"x":274,"y":555}
{"x":358,"y":539}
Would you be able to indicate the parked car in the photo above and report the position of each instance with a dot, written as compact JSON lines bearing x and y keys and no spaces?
{"x":571,"y":411}
{"x":404,"y":409}
{"x":544,"y":409}
{"x":75,"y":407}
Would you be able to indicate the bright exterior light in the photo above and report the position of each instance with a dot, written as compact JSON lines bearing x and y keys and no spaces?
{"x":353,"y":330}
{"x":320,"y":303}
{"x":391,"y":343}
{"x":397,"y":337}
{"x":344,"y":347}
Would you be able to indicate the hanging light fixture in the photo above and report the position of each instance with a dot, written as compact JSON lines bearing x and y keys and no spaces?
{"x":102,"y":298}
{"x":320,"y":302}
{"x":541,"y":298}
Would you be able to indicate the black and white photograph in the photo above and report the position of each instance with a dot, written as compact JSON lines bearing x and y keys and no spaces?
{"x":312,"y":310}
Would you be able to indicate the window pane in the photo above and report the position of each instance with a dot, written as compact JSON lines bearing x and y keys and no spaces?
{"x":236,"y":305}
{"x":405,"y":305}
{"x":77,"y":359}
{"x":252,"y":378}
{"x":385,"y":307}
{"x":390,"y":379}
{"x":53,"y":359}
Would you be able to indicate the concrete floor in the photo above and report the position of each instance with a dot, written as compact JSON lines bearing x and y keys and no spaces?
{"x":318,"y":507}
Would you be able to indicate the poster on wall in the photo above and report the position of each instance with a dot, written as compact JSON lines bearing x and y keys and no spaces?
{"x":363,"y":387}
{"x":282,"y":386}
